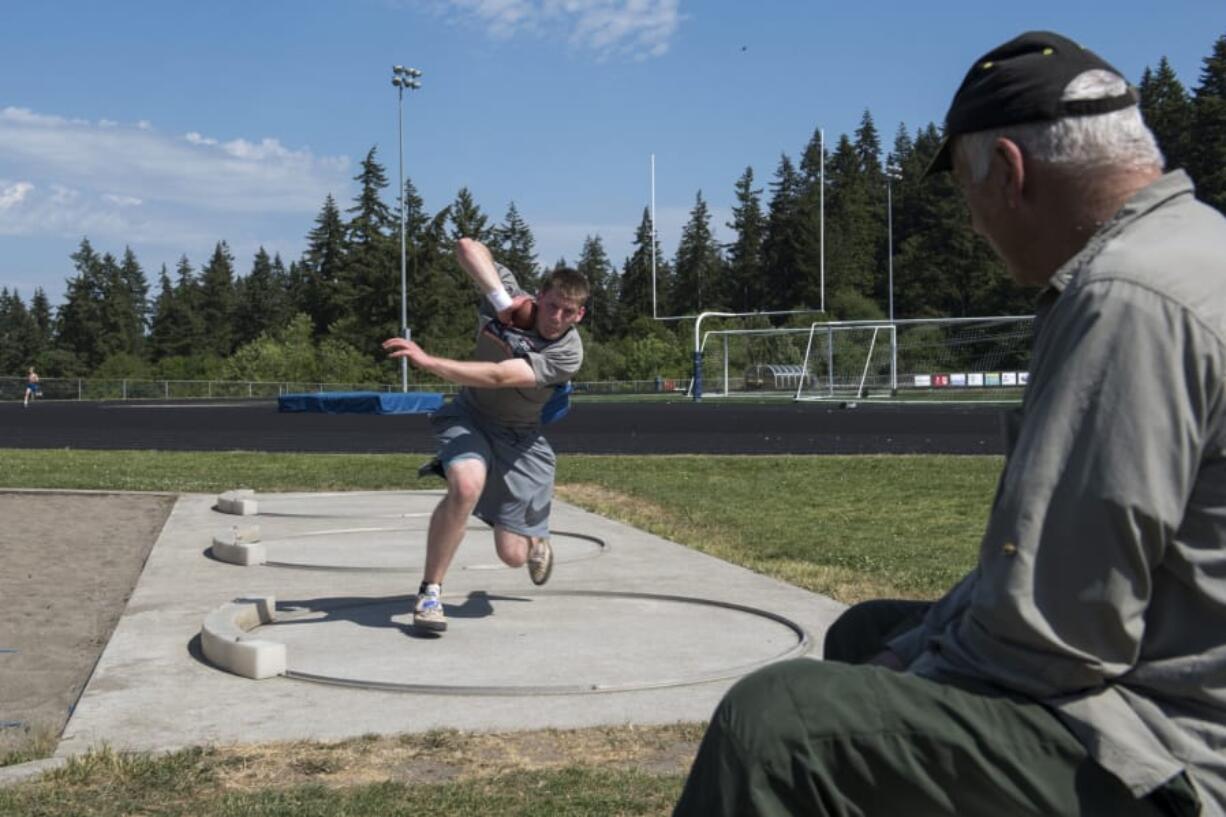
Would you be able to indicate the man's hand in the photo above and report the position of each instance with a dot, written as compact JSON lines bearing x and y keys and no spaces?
{"x":521,"y":313}
{"x":399,"y":347}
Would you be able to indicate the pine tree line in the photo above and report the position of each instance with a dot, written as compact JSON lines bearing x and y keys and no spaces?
{"x":324,"y":315}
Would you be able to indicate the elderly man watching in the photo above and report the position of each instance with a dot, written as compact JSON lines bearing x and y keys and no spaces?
{"x":1080,"y":668}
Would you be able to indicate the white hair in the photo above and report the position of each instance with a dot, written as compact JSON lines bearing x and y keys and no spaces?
{"x":1081,"y":143}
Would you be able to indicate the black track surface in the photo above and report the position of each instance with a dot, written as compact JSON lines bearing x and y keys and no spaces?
{"x":683,"y":427}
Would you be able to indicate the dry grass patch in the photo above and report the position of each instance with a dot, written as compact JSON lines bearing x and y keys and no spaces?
{"x":20,"y":744}
{"x":452,"y":756}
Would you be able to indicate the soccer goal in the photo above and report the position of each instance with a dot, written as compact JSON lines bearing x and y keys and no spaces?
{"x":848,"y":360}
{"x":752,"y":362}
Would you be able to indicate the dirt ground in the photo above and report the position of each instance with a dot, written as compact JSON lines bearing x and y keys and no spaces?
{"x":68,"y":564}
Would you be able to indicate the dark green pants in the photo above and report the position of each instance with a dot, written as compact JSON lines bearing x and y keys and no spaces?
{"x":830,"y":737}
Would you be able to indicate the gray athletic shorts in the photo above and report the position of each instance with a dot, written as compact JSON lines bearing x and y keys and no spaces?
{"x":519,"y":468}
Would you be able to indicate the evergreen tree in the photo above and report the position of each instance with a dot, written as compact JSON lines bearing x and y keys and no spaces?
{"x":218,"y":302}
{"x":442,"y":309}
{"x":136,"y":285}
{"x":371,"y":219}
{"x":698,"y":270}
{"x":433,"y":298}
{"x":854,"y":221}
{"x":467,"y":220}
{"x":601,"y":319}
{"x":125,"y":306}
{"x":161,"y":330}
{"x":296,"y":281}
{"x":18,"y":335}
{"x":79,"y":318}
{"x":1167,"y":110}
{"x":635,"y":296}
{"x":122,"y":330}
{"x":868,"y":148}
{"x":188,"y":324}
{"x":515,"y":248}
{"x":370,"y":289}
{"x":942,"y":269}
{"x":448,"y":298}
{"x":318,"y":286}
{"x":262,"y":301}
{"x":1207,"y":159}
{"x":746,"y":274}
{"x":808,"y":240}
{"x":40,"y":311}
{"x":783,"y":244}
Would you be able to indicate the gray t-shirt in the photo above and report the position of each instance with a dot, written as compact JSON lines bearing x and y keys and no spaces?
{"x":553,"y":362}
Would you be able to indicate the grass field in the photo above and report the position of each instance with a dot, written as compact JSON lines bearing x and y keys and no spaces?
{"x":849,"y":527}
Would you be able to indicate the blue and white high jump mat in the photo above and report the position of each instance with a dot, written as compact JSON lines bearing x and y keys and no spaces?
{"x":361,"y":402}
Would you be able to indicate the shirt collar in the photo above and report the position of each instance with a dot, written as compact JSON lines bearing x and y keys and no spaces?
{"x":1154,"y":195}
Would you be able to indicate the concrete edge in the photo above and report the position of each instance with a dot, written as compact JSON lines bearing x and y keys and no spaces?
{"x":240,"y":502}
{"x":21,"y":772}
{"x":225,"y":643}
{"x":239,"y":545}
{"x":88,"y":492}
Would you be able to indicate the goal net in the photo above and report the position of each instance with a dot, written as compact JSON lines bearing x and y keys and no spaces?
{"x":848,"y":361}
{"x":978,"y":358}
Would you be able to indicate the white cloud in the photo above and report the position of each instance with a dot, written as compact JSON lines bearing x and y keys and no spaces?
{"x":138,"y":162}
{"x":639,"y":28}
{"x":12,"y":195}
{"x":607,"y":28}
{"x":122,"y":201}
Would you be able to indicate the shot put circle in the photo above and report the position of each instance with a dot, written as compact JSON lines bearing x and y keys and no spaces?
{"x":402,"y":549}
{"x":356,"y":504}
{"x":629,"y":642}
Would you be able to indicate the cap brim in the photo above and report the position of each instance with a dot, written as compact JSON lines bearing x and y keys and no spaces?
{"x":943,"y":162}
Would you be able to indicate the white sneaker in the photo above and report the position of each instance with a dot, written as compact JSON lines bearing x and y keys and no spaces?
{"x":428,"y":613}
{"x":540,"y":561}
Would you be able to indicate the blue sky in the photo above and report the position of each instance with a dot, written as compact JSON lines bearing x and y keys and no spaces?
{"x":168,"y":126}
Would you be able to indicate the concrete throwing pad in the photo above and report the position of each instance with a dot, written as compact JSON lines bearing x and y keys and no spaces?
{"x":660,"y":631}
{"x":692,"y":641}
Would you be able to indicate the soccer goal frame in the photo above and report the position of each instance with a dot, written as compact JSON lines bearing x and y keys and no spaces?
{"x":833,"y":387}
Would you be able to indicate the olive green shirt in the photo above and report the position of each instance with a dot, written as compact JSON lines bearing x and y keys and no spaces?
{"x":1101,"y":583}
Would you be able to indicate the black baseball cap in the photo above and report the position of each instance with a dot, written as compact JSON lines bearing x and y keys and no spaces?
{"x":1023,"y":81}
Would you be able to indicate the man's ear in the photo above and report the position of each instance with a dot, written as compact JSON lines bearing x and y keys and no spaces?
{"x":582,"y":312}
{"x":1011,"y":166}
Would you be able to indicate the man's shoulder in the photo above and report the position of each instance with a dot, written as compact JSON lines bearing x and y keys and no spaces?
{"x":1178,"y":253}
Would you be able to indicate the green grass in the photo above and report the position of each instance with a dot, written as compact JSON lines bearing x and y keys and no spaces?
{"x":851,"y":527}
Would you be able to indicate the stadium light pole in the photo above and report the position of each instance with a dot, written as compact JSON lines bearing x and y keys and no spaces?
{"x":893,"y":173}
{"x":821,"y":136}
{"x":403,"y":78}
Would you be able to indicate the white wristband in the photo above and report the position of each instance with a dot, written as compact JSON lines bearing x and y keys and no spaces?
{"x":499,"y":299}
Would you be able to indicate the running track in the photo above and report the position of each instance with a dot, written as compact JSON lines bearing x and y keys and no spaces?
{"x":683,"y":427}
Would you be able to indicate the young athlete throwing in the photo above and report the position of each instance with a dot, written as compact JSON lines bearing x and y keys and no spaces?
{"x":497,"y":464}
